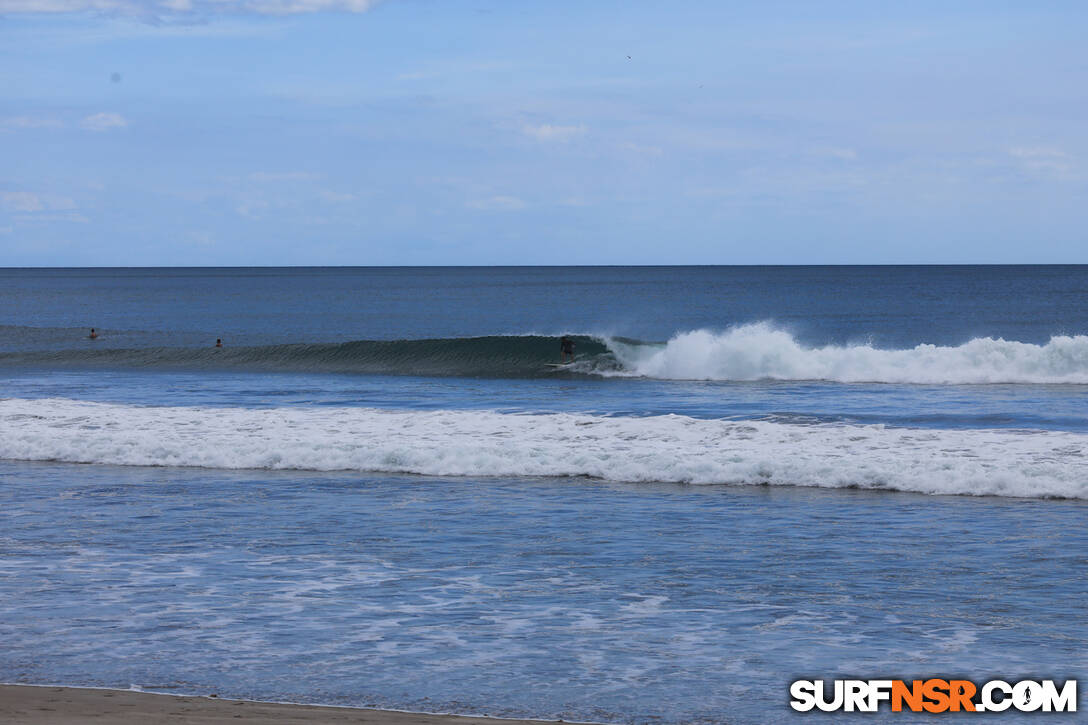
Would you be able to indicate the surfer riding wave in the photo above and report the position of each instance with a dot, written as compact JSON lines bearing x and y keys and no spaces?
{"x":566,"y":349}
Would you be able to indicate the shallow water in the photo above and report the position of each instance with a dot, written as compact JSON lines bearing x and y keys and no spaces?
{"x":535,"y":597}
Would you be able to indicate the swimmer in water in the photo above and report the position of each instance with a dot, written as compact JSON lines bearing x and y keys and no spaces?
{"x":93,"y":334}
{"x":218,"y":342}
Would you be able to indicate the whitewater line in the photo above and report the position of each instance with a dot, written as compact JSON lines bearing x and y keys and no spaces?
{"x":668,"y":448}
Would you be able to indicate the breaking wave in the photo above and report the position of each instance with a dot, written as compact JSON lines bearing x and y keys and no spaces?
{"x":1035,"y":464}
{"x":762,"y":352}
{"x":751,"y":352}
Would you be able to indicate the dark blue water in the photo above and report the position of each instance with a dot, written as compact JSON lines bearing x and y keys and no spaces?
{"x":891,"y":306}
{"x":381,"y":492}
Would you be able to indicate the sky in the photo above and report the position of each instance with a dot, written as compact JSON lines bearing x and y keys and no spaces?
{"x":363,"y":132}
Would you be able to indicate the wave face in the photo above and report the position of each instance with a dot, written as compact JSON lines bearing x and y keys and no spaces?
{"x":762,"y":352}
{"x":745,"y":353}
{"x":671,"y":448}
{"x":494,"y":356}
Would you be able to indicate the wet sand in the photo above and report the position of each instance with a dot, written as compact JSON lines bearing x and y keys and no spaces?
{"x":27,"y":705}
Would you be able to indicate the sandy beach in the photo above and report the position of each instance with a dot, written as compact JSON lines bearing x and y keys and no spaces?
{"x":30,"y":705}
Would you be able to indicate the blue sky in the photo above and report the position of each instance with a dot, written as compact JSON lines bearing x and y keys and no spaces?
{"x":223,"y":132}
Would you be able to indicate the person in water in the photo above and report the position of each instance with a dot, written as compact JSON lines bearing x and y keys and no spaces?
{"x":566,"y":348}
{"x":93,"y":334}
{"x":218,"y":342}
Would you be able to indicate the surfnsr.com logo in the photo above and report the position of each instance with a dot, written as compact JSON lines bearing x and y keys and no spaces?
{"x":934,"y":695}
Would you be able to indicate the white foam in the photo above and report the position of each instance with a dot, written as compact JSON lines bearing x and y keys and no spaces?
{"x":762,"y":352}
{"x":480,"y":443}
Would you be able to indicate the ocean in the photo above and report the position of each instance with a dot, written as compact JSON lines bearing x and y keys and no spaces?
{"x":381,"y":491}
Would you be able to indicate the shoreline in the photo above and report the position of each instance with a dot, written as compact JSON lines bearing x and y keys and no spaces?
{"x":65,"y":705}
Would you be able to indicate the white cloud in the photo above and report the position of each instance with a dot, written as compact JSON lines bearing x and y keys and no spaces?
{"x":21,"y":201}
{"x":201,"y":239}
{"x":549,"y":132}
{"x":252,"y":209}
{"x":103,"y":121}
{"x":272,"y":176}
{"x":836,"y":152}
{"x":1037,"y":152}
{"x":291,"y":7}
{"x":27,"y":201}
{"x":1043,"y":159}
{"x":453,"y":68}
{"x":498,"y":203}
{"x":336,"y":196}
{"x":29,"y":122}
{"x":642,"y":149}
{"x":56,"y":6}
{"x":168,"y":8}
{"x":69,"y":216}
{"x":716,"y":140}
